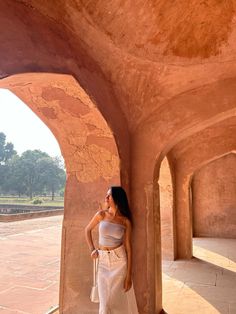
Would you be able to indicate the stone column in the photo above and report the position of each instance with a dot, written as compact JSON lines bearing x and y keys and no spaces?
{"x":183,"y":216}
{"x":166,"y":211}
{"x":146,"y":231}
{"x":81,"y":203}
{"x":90,"y":172}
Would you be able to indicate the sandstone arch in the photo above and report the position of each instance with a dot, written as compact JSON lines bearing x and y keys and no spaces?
{"x":225,"y":121}
{"x":221,"y":141}
{"x":92,"y":163}
{"x":153,"y":141}
{"x":215,"y":114}
{"x":57,"y":52}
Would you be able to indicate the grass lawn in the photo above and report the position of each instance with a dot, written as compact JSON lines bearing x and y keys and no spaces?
{"x":46,"y":201}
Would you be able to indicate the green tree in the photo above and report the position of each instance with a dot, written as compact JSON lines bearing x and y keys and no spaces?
{"x":6,"y":153}
{"x":30,"y":167}
{"x":14,"y":177}
{"x":32,"y":173}
{"x":52,"y":176}
{"x":6,"y":149}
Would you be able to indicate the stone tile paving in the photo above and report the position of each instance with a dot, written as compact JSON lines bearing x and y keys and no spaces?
{"x":206,"y":283}
{"x":30,"y":261}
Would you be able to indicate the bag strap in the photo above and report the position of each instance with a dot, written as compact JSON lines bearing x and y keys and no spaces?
{"x":95,"y":270}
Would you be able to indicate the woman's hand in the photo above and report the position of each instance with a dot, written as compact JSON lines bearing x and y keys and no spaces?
{"x":94,"y":254}
{"x":127,"y":283}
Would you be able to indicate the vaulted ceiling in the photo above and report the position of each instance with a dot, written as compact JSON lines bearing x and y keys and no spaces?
{"x":165,"y":69}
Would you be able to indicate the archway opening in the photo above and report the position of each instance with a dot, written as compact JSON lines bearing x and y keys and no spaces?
{"x":32,"y":206}
{"x":188,"y":276}
{"x":213,"y":208}
{"x":92,"y":163}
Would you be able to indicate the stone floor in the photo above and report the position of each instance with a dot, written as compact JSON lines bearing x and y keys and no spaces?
{"x":29,"y":275}
{"x":204,"y":285}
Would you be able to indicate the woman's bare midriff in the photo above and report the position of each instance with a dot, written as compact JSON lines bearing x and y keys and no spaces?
{"x":109,"y":248}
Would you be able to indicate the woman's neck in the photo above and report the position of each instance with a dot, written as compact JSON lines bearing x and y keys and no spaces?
{"x":113,"y":211}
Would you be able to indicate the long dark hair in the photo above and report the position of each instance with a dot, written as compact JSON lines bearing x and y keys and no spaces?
{"x":120,"y":199}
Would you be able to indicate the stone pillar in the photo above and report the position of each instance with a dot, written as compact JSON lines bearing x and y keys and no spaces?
{"x":183,"y":216}
{"x":146,"y":233}
{"x":81,"y":203}
{"x":166,"y":211}
{"x":91,"y":170}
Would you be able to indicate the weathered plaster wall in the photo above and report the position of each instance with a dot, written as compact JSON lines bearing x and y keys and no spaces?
{"x":214,"y":199}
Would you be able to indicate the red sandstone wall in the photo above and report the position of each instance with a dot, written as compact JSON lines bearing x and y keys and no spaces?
{"x":214,"y":199}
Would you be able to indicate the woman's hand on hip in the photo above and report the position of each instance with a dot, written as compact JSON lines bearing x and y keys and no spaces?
{"x":127,"y":283}
{"x":94,"y":254}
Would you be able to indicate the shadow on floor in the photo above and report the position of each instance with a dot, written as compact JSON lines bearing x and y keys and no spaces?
{"x":205,"y":284}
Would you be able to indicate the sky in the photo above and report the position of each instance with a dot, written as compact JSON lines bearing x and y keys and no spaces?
{"x":23,"y":128}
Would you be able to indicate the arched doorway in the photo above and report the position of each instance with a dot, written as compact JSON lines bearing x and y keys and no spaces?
{"x":92,"y":164}
{"x":200,"y":153}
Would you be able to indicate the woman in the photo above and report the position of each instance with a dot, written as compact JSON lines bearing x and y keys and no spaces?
{"x":114,"y":254}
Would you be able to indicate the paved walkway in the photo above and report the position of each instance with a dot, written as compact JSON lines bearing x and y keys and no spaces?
{"x":29,"y":273}
{"x":204,"y":285}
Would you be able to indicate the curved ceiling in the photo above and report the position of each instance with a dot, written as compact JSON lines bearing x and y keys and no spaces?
{"x":153,"y":30}
{"x":161,"y":69}
{"x":215,"y":158}
{"x":204,"y":146}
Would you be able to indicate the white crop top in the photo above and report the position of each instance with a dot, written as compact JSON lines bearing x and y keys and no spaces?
{"x":110,"y":234}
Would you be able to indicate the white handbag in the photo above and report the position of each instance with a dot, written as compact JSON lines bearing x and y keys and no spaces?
{"x":94,"y":297}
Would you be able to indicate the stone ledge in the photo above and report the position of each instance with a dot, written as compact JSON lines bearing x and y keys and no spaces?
{"x":29,"y":206}
{"x":31,"y":215}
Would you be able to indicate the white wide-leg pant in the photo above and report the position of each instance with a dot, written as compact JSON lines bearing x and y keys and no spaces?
{"x":112,"y":268}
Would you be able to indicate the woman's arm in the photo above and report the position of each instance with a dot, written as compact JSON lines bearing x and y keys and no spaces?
{"x":88,"y":232}
{"x":127,"y":243}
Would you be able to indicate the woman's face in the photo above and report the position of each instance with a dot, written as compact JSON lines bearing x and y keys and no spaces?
{"x":109,"y":200}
